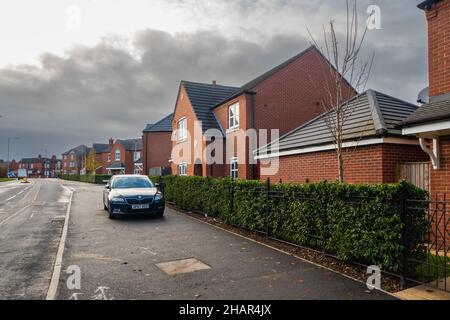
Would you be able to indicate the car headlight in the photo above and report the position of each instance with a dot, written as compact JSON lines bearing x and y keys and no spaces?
{"x":158,"y":197}
{"x":118,"y":200}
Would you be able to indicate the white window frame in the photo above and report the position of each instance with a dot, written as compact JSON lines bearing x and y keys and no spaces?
{"x":233,"y":116}
{"x":182,"y":129}
{"x":117,"y":152}
{"x":234,"y":168}
{"x":109,"y":157}
{"x":137,"y":155}
{"x":182,"y":169}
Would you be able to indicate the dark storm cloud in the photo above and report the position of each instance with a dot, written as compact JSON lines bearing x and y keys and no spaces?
{"x":92,"y":93}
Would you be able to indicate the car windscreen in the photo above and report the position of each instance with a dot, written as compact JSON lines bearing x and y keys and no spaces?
{"x":132,"y":183}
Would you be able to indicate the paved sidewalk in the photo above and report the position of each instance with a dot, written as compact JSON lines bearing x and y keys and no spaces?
{"x":125,"y":258}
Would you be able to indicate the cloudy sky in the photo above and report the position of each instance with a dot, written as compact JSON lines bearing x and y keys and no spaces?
{"x":80,"y":71}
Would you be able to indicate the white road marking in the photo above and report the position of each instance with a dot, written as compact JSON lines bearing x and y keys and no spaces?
{"x":52,"y":289}
{"x":13,"y":215}
{"x":19,"y":193}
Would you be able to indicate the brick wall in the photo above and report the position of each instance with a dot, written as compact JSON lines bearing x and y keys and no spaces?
{"x":367,"y":164}
{"x":157,"y":150}
{"x":440,"y":179}
{"x":293,"y":95}
{"x":439,"y":48}
{"x":184,"y":110}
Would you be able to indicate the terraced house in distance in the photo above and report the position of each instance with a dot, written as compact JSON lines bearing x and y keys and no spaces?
{"x":126,"y":157}
{"x":74,"y":160}
{"x":103,"y":155}
{"x":157,"y":147}
{"x":280,"y":99}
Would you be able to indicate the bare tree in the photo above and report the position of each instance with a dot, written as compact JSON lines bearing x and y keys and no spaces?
{"x":349,"y":71}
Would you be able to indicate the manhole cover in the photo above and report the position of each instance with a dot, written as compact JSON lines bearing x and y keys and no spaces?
{"x":182,"y":266}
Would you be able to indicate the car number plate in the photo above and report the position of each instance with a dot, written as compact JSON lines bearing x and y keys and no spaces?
{"x":140,"y":206}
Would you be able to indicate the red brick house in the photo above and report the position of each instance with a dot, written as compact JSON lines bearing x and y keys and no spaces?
{"x":157,"y":147}
{"x":52,"y":167}
{"x":74,"y":160}
{"x":431,"y":122}
{"x":282,"y":98}
{"x":103,"y":155}
{"x":41,"y":167}
{"x":374,"y":147}
{"x":126,"y":157}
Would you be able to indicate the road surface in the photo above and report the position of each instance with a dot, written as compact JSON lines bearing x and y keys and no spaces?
{"x":171,"y":258}
{"x":123,"y":259}
{"x":30,"y":229}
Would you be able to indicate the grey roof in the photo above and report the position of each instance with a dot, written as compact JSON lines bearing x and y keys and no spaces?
{"x":434,"y":111}
{"x":80,"y":150}
{"x":204,"y":97}
{"x":164,"y":125}
{"x":32,"y":160}
{"x":101,"y":147}
{"x":116,"y":165}
{"x":370,"y":114}
{"x":131,"y":144}
{"x":253,"y":83}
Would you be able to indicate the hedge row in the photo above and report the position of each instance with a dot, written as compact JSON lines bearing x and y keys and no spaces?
{"x":360,"y":223}
{"x":94,"y":179}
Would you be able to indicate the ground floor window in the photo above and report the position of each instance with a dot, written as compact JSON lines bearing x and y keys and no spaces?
{"x":234,"y":168}
{"x":182,"y":169}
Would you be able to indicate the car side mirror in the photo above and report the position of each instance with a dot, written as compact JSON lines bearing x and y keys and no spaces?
{"x":108,"y":187}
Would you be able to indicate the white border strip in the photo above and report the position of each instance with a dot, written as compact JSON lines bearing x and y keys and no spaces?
{"x":53,"y":287}
{"x":424,"y":128}
{"x":328,"y":147}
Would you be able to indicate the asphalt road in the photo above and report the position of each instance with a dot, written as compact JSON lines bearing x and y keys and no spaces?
{"x":30,"y":229}
{"x":118,"y":259}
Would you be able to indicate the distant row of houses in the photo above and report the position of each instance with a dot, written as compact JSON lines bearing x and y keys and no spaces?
{"x":38,"y":167}
{"x":380,"y":144}
{"x":114,"y":157}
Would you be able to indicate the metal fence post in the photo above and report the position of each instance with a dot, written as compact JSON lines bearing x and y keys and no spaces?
{"x":267,"y":207}
{"x":403,"y":258}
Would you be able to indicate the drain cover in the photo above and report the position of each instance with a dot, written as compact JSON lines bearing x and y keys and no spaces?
{"x":182,"y":266}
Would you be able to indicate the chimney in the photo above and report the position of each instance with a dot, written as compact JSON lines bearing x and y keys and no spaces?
{"x":438,"y":17}
{"x":111,"y":143}
{"x":53,"y":157}
{"x":214,"y":82}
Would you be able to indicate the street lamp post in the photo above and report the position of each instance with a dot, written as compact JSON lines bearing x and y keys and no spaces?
{"x":9,"y":142}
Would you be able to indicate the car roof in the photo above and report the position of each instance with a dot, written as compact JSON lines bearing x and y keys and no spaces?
{"x":128,"y":176}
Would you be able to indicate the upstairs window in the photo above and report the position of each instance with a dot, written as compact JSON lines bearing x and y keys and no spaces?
{"x":233,"y":116}
{"x":137,"y":155}
{"x":117,"y":154}
{"x":109,"y":157}
{"x":182,"y":129}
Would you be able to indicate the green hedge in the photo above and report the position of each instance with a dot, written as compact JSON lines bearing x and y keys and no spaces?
{"x":361,"y":223}
{"x":94,"y":179}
